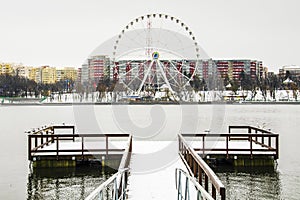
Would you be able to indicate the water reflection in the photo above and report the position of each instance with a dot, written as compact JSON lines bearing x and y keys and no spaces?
{"x":65,"y":183}
{"x":250,"y":183}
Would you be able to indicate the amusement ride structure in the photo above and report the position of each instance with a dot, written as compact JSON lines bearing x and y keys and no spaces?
{"x":156,"y":54}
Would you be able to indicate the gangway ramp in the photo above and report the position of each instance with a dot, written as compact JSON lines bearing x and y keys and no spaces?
{"x":156,"y":171}
{"x":155,"y":167}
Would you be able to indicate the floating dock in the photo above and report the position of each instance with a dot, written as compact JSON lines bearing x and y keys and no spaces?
{"x":49,"y":147}
{"x":249,"y":147}
{"x":156,"y":169}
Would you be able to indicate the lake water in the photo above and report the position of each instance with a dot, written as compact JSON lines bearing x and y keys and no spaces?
{"x":148,"y":122}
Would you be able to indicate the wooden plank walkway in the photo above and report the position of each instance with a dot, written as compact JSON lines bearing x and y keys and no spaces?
{"x":152,"y":164}
{"x":235,"y":147}
{"x":67,"y":148}
{"x":52,"y":147}
{"x":249,"y":141}
{"x":157,"y":182}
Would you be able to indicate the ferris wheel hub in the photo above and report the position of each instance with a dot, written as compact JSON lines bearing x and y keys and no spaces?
{"x":155,"y":55}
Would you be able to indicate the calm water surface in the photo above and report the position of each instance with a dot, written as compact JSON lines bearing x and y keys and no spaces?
{"x":19,"y":182}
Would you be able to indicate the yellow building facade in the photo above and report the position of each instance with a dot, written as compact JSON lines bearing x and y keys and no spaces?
{"x":7,"y":69}
{"x":35,"y":74}
{"x":44,"y":74}
{"x":48,"y":75}
{"x":66,"y":73}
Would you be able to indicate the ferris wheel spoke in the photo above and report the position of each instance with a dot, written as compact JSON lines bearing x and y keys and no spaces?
{"x":133,"y":67}
{"x":131,"y":39}
{"x":145,"y":76}
{"x":165,"y":35}
{"x":175,"y":73}
{"x":164,"y":75}
{"x":132,"y":81}
{"x":160,"y":28}
{"x":186,"y":66}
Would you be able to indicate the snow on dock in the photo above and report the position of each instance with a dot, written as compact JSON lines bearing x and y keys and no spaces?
{"x":153,"y":165}
{"x":74,"y":148}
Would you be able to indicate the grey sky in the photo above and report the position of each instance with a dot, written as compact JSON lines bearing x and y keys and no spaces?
{"x":65,"y":32}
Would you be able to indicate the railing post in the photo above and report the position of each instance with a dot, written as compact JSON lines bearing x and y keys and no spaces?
{"x":123,"y":186}
{"x":186,"y":194}
{"x":29,"y":147}
{"x":277,"y":146}
{"x":195,"y":167}
{"x":179,"y":186}
{"x":106,"y":145}
{"x":192,"y":164}
{"x":249,"y":132}
{"x":206,"y":182}
{"x":256,"y":136}
{"x":57,"y":147}
{"x":130,"y":147}
{"x":115,"y":190}
{"x":82,"y":148}
{"x":222,"y":193}
{"x":42,"y":139}
{"x":47,"y":139}
{"x":52,"y":138}
{"x":227,"y":156}
{"x":73,"y":132}
{"x":213,"y":191}
{"x":199,"y":175}
{"x":203,"y":147}
{"x":101,"y":195}
{"x":251,"y":147}
{"x":35,"y":142}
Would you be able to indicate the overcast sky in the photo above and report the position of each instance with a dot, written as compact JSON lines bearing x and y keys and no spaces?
{"x":64,"y":32}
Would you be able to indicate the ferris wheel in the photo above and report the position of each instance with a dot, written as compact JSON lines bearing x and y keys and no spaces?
{"x":154,"y":52}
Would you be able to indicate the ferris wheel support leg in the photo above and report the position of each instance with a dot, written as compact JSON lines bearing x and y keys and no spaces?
{"x":164,"y":76}
{"x":145,"y":77}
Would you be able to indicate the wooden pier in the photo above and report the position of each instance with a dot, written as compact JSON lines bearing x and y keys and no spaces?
{"x":49,"y":148}
{"x":250,"y":146}
{"x":193,"y":155}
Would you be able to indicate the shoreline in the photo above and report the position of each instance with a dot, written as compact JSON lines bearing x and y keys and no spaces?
{"x":156,"y":103}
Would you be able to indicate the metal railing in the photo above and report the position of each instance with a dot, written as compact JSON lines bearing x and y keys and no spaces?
{"x":185,"y":194}
{"x":126,"y":155}
{"x":41,"y":138}
{"x":200,"y":169}
{"x":118,"y":183}
{"x":266,"y":139}
{"x":259,"y":136}
{"x":119,"y":180}
{"x":51,"y":128}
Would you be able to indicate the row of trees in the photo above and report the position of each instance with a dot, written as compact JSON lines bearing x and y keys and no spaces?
{"x":11,"y":86}
{"x":245,"y":82}
{"x":273,"y":82}
{"x":16,"y":86}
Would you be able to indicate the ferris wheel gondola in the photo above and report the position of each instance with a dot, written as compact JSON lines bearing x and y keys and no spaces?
{"x":153,"y":52}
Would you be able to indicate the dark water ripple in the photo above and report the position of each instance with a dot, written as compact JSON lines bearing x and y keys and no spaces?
{"x":73,"y":183}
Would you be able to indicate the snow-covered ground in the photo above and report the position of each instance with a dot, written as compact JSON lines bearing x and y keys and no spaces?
{"x":201,"y":96}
